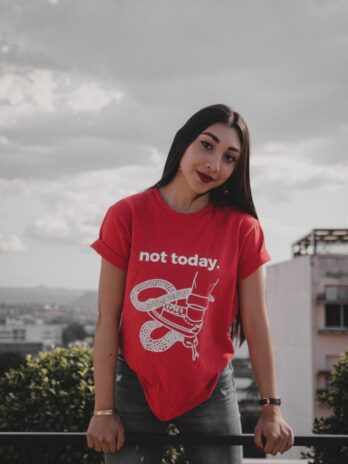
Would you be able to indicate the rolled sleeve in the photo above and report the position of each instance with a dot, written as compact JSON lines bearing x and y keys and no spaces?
{"x":253,"y":252}
{"x":114,"y":239}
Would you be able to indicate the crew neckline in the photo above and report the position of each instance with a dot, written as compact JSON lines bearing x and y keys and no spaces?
{"x":202,"y":212}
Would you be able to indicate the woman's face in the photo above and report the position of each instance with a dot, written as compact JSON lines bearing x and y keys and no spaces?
{"x":211,"y":158}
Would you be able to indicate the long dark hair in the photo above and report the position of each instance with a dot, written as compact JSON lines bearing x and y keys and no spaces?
{"x":238,"y":184}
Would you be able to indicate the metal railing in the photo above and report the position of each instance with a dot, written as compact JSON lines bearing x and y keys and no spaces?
{"x":7,"y":438}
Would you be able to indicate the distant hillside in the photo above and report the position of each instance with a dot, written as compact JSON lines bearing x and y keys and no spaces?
{"x":46,"y":295}
{"x":89,"y":301}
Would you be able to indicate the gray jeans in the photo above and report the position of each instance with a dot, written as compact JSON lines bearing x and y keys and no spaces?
{"x":217,"y":415}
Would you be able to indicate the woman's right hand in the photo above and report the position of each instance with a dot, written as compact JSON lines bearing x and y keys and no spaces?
{"x":106,"y":434}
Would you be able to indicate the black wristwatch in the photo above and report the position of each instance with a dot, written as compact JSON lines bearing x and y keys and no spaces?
{"x":267,"y":401}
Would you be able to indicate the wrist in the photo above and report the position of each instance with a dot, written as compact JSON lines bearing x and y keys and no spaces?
{"x":270,"y":405}
{"x":103,"y":406}
{"x":271,"y":410}
{"x":105,"y":412}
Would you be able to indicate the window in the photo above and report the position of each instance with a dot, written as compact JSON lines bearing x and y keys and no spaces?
{"x":19,"y":334}
{"x":338,"y":293}
{"x":6,"y":334}
{"x":336,"y":315}
{"x":345,"y":315}
{"x":336,"y":308}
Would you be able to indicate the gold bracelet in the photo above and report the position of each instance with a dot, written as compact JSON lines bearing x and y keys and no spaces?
{"x":105,"y":412}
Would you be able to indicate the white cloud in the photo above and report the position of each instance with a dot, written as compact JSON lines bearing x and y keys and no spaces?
{"x":91,"y":97}
{"x":4,"y":141}
{"x":5,"y":49}
{"x":73,"y":207}
{"x":30,"y":187}
{"x":284,"y":172}
{"x":11,"y":244}
{"x":49,"y":226}
{"x":22,"y":94}
{"x":41,"y":91}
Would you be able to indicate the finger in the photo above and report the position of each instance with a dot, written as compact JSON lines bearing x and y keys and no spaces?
{"x":112,"y":444}
{"x":102,"y":445}
{"x":257,"y":439}
{"x":120,"y":440}
{"x":291,"y":440}
{"x":107,"y":448}
{"x":271,"y":444}
{"x":108,"y":445}
{"x":283,"y":446}
{"x":280,"y":443}
{"x":97,"y":445}
{"x":90,"y":442}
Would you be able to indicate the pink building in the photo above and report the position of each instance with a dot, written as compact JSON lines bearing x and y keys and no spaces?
{"x":307,"y":302}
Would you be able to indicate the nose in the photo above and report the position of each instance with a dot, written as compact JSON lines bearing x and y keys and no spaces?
{"x":214,"y":164}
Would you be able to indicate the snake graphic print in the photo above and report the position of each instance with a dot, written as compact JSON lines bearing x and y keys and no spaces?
{"x":183,"y":321}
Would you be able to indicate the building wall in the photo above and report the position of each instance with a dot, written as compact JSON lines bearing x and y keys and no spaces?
{"x":288,"y":300}
{"x":327,"y":270}
{"x":43,"y":333}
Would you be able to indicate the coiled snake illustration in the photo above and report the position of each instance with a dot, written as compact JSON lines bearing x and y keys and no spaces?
{"x":183,"y":322}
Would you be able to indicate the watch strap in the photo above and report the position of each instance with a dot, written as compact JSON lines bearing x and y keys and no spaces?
{"x":268,"y":401}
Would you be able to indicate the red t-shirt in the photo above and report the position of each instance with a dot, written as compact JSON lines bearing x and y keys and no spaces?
{"x":181,"y":292}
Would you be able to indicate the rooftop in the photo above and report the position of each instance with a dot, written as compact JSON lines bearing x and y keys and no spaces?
{"x":323,"y":242}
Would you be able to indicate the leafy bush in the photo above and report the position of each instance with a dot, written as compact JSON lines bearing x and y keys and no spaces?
{"x":10,"y":359}
{"x":337,"y":397}
{"x":54,"y":392}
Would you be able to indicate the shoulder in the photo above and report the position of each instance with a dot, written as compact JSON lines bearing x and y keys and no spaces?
{"x":248,"y":221}
{"x":241,"y":219}
{"x":129,"y":203}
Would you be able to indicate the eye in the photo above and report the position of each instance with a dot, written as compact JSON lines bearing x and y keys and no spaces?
{"x":204,"y":143}
{"x":230,"y":158}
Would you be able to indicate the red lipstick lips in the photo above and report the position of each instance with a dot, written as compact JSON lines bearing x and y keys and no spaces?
{"x":204,"y":177}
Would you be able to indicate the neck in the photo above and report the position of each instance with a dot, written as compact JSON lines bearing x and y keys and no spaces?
{"x":181,"y":199}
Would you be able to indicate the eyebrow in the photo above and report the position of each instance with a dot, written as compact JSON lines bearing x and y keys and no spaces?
{"x":213,"y":136}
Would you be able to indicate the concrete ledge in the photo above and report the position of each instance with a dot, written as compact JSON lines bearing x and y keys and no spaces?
{"x":274,"y":461}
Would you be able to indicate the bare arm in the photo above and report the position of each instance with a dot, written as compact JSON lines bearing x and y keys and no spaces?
{"x":106,"y":433}
{"x":106,"y":341}
{"x":256,"y":328}
{"x":271,"y":425}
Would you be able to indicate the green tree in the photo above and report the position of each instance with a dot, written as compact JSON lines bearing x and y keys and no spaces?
{"x":72,"y":332}
{"x":337,"y":397}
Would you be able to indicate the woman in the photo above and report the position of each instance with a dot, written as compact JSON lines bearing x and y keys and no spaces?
{"x":181,"y":275}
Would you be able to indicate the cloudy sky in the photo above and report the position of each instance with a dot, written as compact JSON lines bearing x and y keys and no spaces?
{"x":92,"y":93}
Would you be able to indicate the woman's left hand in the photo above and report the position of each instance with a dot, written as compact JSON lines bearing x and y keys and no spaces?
{"x":279,"y":435}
